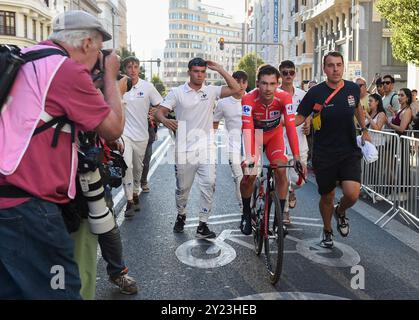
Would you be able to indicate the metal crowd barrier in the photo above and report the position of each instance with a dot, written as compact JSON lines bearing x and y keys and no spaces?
{"x":394,"y":177}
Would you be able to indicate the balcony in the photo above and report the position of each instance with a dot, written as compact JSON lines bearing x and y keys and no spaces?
{"x":318,"y":10}
{"x":304,"y":59}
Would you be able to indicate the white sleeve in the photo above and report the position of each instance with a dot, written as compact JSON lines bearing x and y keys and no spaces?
{"x":216,"y":91}
{"x":218,"y":113}
{"x":170,"y":101}
{"x":155,"y":97}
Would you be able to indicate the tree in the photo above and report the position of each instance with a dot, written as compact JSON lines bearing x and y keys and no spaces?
{"x":403,"y":16}
{"x":249,"y":63}
{"x":159,"y":85}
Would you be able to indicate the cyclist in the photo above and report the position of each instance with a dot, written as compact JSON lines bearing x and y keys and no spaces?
{"x":262,"y":111}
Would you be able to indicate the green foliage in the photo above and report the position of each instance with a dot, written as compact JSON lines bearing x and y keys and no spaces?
{"x":159,"y":85}
{"x":250,"y":63}
{"x":403,"y":17}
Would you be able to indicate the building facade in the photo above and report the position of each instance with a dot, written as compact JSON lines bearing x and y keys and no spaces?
{"x":195,"y":29}
{"x":309,"y":28}
{"x":122,"y":17}
{"x":26,"y":22}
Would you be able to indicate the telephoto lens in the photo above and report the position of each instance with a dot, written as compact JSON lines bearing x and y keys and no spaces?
{"x":100,"y":217}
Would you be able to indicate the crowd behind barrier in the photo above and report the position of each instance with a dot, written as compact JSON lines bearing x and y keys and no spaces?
{"x":394,"y":177}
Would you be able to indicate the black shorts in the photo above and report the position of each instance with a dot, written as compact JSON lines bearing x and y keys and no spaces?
{"x":332,"y":168}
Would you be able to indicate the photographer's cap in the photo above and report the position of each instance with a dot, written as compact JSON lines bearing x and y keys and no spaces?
{"x":79,"y":20}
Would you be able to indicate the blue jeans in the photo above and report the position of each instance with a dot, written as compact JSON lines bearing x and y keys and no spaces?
{"x":36,"y":254}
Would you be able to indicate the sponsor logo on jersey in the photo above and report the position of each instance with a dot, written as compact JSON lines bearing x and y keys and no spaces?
{"x":140,"y":94}
{"x":247,"y":110}
{"x":290,"y":109}
{"x":274,"y":114}
{"x":351,"y":101}
{"x":204,"y":97}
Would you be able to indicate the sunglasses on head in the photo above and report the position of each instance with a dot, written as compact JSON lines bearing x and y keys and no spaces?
{"x":361,"y":85}
{"x":286,"y":73}
{"x":387,"y":82}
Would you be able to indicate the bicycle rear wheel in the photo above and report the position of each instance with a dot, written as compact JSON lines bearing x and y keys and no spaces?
{"x":257,"y":216}
{"x":274,"y":242}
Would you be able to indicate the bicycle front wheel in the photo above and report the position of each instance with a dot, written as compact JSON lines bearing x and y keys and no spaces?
{"x":274,"y":241}
{"x":257,"y":216}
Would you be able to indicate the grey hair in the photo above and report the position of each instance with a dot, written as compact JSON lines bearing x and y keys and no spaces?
{"x":360,"y":78}
{"x":74,"y":38}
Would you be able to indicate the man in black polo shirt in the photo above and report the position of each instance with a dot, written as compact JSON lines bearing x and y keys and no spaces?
{"x":336,"y":156}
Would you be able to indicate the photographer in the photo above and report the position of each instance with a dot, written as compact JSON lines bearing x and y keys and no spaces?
{"x":36,"y":251}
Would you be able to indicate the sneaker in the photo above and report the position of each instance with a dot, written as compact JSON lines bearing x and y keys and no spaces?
{"x":130,"y":210}
{"x":292,"y":200}
{"x":179,"y":224}
{"x":126,"y":284}
{"x":136,"y":200}
{"x":341,"y":222}
{"x":327,"y":241}
{"x":203,"y":232}
{"x":145,"y":188}
{"x":246,"y":224}
{"x":287,"y":220}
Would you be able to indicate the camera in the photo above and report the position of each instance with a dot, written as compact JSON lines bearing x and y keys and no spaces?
{"x":100,"y":218}
{"x":98,"y":70}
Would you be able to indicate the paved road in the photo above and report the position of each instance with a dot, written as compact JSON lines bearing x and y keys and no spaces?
{"x":176,"y":266}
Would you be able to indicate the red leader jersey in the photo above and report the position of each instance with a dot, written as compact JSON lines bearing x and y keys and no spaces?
{"x":257,"y":115}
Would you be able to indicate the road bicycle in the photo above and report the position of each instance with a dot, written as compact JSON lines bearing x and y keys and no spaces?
{"x":267,"y":219}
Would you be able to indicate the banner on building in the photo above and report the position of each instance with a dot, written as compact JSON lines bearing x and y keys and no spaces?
{"x":276,"y":21}
{"x":353,"y":70}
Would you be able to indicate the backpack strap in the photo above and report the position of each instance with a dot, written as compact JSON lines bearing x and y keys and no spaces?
{"x":43,"y":53}
{"x":391,"y":99}
{"x":60,"y":124}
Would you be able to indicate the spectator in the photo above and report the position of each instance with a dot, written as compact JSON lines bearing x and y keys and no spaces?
{"x":139,"y":99}
{"x":44,"y":178}
{"x":414,"y":95}
{"x":400,"y":121}
{"x":376,"y":117}
{"x":379,"y":88}
{"x":362,"y":83}
{"x":390,"y":101}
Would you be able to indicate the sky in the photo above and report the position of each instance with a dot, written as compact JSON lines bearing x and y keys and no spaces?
{"x":148,"y":23}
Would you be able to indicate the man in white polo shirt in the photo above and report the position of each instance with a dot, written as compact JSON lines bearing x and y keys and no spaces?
{"x":287,"y":71}
{"x":231,"y":110}
{"x":195,"y":150}
{"x":138,"y":101}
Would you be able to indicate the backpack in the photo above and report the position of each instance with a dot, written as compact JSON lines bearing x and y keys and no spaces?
{"x":11,"y":60}
{"x":25,"y":78}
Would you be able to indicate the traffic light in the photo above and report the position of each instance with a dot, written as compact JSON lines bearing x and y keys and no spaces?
{"x":158,"y":62}
{"x":221,"y":42}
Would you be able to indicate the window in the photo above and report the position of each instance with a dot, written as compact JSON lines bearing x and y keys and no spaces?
{"x":33,"y":29}
{"x":7,"y":23}
{"x":296,"y":29}
{"x":25,"y":26}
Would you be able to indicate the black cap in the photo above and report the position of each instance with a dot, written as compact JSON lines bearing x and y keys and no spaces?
{"x":379,"y":82}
